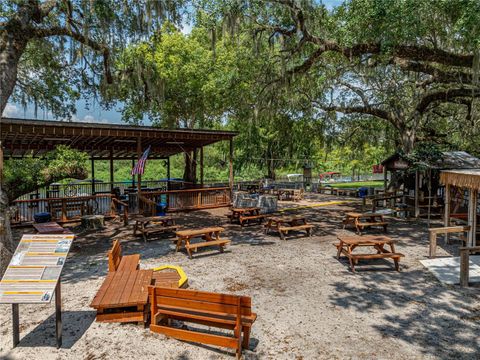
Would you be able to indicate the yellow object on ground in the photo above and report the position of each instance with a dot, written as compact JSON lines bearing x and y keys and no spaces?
{"x":183,"y":277}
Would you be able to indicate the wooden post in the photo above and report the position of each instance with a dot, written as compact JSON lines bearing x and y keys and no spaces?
{"x":464,"y":267}
{"x":133,"y":176}
{"x":111,"y":170}
{"x":201,"y":166}
{"x":446,"y":219}
{"x":93,"y":175}
{"x":472,"y":216}
{"x":139,"y":177}
{"x":168,"y":173}
{"x":194,"y":164}
{"x":417,"y":190}
{"x":231,"y":167}
{"x":58,"y":314}
{"x":15,"y":325}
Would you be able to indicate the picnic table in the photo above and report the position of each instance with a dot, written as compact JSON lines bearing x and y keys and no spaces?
{"x":51,"y":227}
{"x":284,"y":224}
{"x":123,"y":296}
{"x":209,"y":235}
{"x":154,"y":224}
{"x":243,"y":215}
{"x":373,"y":219}
{"x":348,"y":243}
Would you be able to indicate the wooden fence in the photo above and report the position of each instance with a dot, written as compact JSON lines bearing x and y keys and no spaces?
{"x":191,"y":199}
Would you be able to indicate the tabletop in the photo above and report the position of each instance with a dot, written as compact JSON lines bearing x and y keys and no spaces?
{"x":287,"y":219}
{"x":365,"y":214}
{"x":153,"y":218}
{"x":364,"y":240}
{"x":50,"y":228}
{"x":197,"y":232}
{"x":123,"y":288}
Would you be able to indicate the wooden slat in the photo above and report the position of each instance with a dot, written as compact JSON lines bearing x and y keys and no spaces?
{"x":97,"y":300}
{"x":115,"y":289}
{"x":127,"y":291}
{"x":202,"y":296}
{"x":207,"y":243}
{"x":136,"y":316}
{"x":186,"y":335}
{"x":195,"y":232}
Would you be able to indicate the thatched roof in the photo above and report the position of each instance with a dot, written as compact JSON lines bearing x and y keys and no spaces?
{"x":449,"y":160}
{"x":465,"y":178}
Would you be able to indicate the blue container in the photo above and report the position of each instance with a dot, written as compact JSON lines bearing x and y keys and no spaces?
{"x":42,"y":217}
{"x":362,"y":192}
{"x":161,"y":209}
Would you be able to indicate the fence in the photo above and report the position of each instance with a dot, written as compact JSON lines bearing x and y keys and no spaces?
{"x":190,"y":199}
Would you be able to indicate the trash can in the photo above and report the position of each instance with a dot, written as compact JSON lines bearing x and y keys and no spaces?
{"x":42,"y":217}
{"x":362,"y":192}
{"x":161,"y":209}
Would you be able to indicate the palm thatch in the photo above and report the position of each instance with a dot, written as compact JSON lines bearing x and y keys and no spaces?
{"x":465,"y":178}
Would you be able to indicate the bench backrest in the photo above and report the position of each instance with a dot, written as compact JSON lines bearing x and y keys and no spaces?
{"x":114,"y":256}
{"x":199,"y":300}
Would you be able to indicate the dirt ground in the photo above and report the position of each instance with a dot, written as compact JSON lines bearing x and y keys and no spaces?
{"x":309,"y":305}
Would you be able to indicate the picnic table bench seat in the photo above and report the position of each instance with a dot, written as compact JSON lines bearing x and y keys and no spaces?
{"x":285,"y":229}
{"x":119,"y":262}
{"x":209,"y":235}
{"x":223,"y":311}
{"x":246,"y":219}
{"x":154,"y":225}
{"x":382,"y":224}
{"x":221,"y":243}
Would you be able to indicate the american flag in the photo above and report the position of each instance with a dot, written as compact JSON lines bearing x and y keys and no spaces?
{"x":139,"y":167}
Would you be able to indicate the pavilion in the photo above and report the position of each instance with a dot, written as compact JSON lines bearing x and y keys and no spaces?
{"x":23,"y":137}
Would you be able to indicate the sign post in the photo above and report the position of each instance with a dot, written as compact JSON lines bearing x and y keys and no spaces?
{"x":33,"y":276}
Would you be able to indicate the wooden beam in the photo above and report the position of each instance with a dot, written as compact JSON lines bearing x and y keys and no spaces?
{"x":93,"y":175}
{"x":201,"y":166}
{"x":111,"y":170}
{"x":230,"y":178}
{"x":446,"y":219}
{"x":168,"y":173}
{"x":194,"y":164}
{"x":472,"y":217}
{"x":139,"y":177}
{"x":417,"y":190}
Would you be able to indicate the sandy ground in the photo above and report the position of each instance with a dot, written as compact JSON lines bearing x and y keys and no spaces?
{"x":309,"y":305}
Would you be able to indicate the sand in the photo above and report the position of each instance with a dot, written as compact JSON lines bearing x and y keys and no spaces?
{"x":309,"y":305}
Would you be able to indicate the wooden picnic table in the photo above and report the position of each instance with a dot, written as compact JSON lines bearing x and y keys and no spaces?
{"x":154,"y":224}
{"x":348,"y":243}
{"x":284,"y":224}
{"x":51,"y":227}
{"x":123,"y":296}
{"x":243,"y":215}
{"x":373,"y":219}
{"x":210,"y":237}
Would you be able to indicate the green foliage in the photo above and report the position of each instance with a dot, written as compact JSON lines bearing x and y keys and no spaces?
{"x":22,"y":176}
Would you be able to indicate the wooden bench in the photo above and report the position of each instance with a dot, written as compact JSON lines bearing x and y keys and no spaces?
{"x":246,"y":219}
{"x":154,"y":225}
{"x":432,"y":235}
{"x":117,"y":262}
{"x":283,"y":230}
{"x":363,"y":225}
{"x":210,"y":236}
{"x":223,"y":311}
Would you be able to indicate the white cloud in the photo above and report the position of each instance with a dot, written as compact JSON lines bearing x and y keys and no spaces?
{"x":12,"y":110}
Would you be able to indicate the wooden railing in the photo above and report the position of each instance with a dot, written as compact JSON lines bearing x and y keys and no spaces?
{"x":191,"y":199}
{"x":114,"y":209}
{"x":61,"y":208}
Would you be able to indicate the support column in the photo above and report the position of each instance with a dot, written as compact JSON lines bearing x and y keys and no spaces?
{"x":133,"y":176}
{"x":58,"y":314}
{"x":231,"y":166}
{"x":385,"y":179}
{"x":201,"y":166}
{"x":417,"y":189}
{"x":139,"y":154}
{"x":472,"y":216}
{"x":194,"y":165}
{"x":446,"y":216}
{"x":93,"y":175}
{"x":168,"y":173}
{"x":111,"y":170}
{"x":15,"y":325}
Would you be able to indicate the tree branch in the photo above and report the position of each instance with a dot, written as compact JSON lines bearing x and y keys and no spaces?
{"x":444,"y":96}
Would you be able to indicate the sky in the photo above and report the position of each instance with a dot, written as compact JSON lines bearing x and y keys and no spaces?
{"x":94,"y":113}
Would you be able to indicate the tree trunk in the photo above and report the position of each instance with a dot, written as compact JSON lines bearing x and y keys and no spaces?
{"x":408,"y":138}
{"x":11,"y":49}
{"x":190,"y":168}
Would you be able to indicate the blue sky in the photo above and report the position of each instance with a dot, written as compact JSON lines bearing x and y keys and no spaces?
{"x":94,"y":113}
